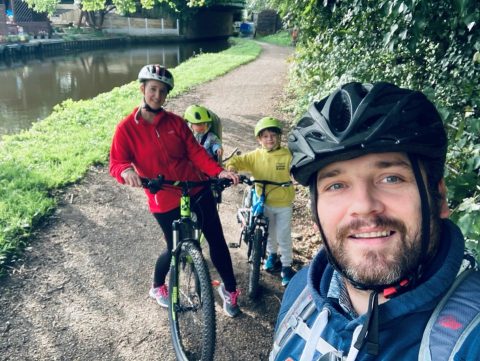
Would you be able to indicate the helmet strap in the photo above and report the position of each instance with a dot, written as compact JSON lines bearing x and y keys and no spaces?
{"x":425,"y":212}
{"x":148,"y":108}
{"x":369,"y":334}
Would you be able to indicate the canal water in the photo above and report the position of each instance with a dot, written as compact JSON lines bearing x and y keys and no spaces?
{"x":30,"y":90}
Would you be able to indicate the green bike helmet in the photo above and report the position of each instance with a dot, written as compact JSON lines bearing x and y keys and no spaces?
{"x":196,"y":114}
{"x":267,"y":122}
{"x":156,"y":72}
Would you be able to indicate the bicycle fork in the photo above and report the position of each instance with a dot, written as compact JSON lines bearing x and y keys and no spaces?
{"x":262,"y":224}
{"x":182,"y":229}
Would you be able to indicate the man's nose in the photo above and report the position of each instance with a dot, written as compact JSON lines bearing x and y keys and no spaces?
{"x":365,"y":201}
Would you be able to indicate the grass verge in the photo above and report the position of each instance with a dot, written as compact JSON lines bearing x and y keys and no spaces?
{"x":59,"y":150}
{"x":281,"y":37}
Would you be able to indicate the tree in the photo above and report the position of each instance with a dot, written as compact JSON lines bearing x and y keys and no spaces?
{"x":433,"y":46}
{"x":94,"y":11}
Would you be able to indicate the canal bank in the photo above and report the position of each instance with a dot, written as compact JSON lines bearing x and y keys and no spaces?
{"x":59,"y":150}
{"x":81,"y":74}
{"x":39,"y":48}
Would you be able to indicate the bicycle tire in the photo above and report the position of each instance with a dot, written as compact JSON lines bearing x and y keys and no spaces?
{"x":191,"y":306}
{"x":255,"y":258}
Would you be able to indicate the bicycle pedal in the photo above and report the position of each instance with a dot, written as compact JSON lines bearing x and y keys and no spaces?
{"x":233,"y":245}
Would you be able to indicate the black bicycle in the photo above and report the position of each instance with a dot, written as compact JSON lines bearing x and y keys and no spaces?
{"x":254,"y":225}
{"x":191,"y":303}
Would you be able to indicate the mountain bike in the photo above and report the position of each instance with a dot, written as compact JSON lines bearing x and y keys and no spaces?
{"x":191,"y":309}
{"x":254,"y":226}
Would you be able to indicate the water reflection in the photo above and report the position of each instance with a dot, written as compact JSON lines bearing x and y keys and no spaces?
{"x":29,"y":91}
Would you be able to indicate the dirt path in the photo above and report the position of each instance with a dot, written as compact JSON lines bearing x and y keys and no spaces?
{"x":81,"y":293}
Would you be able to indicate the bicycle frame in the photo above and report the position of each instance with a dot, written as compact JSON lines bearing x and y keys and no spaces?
{"x":191,"y":230}
{"x":255,"y":229}
{"x":191,"y":302}
{"x":257,"y":219}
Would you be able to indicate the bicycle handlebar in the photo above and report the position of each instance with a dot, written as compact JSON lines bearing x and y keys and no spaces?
{"x":156,"y":184}
{"x":250,"y":181}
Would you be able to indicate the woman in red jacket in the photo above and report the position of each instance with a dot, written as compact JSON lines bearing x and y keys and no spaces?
{"x":152,"y":141}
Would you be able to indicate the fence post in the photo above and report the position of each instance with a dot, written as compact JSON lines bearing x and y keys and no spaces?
{"x":129,"y":26}
{"x":146,"y":26}
{"x":178,"y":27}
{"x":163,"y":30}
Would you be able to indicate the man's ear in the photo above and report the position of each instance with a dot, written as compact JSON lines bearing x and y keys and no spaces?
{"x":442,"y":189}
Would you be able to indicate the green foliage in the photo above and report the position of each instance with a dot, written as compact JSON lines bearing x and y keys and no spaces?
{"x":47,"y":6}
{"x":433,"y":46}
{"x":129,"y":6}
{"x":59,"y":150}
{"x":257,"y":5}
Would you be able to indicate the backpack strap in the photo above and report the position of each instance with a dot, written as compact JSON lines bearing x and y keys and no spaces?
{"x":294,"y":324}
{"x":457,"y":314}
{"x":204,"y":138}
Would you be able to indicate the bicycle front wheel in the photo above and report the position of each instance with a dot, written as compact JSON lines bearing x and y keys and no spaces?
{"x":192,"y":309}
{"x":255,"y":258}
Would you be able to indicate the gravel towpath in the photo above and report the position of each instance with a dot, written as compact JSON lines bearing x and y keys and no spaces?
{"x":81,"y":291}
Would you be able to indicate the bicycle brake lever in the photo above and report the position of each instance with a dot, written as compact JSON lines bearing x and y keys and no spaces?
{"x":155,"y":185}
{"x":224,"y":183}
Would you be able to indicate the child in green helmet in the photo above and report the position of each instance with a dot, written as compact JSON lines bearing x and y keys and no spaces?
{"x":272,"y":162}
{"x":201,"y":120}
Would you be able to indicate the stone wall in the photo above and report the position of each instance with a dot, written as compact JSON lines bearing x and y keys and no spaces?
{"x":209,"y":23}
{"x":268,"y":22}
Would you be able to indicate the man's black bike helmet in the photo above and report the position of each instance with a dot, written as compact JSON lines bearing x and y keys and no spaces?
{"x":358,"y":119}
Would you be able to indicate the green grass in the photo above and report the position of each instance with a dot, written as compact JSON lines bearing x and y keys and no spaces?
{"x":59,"y":150}
{"x":281,"y":37}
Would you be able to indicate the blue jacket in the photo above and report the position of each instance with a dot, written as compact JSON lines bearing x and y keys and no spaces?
{"x":402,"y":319}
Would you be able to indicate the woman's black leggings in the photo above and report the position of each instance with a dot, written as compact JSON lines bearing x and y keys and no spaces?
{"x":204,"y":206}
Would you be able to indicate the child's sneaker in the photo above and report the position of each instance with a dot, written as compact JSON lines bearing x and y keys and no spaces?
{"x":269,"y":264}
{"x":287,"y":274}
{"x":230,"y":305}
{"x":160,"y":294}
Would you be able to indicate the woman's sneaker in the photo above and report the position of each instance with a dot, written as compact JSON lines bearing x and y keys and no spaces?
{"x":269,"y":264}
{"x":230,"y":306}
{"x":287,"y":274}
{"x":160,"y":294}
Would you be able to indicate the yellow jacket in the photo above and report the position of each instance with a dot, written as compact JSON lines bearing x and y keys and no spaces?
{"x":273,"y":166}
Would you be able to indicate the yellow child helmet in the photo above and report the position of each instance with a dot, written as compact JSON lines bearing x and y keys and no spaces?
{"x":196,"y":114}
{"x":267,"y":122}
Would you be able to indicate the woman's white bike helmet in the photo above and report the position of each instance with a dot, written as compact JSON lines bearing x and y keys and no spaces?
{"x":156,"y":72}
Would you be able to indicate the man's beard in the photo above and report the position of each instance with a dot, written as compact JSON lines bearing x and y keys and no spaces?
{"x":378,"y":267}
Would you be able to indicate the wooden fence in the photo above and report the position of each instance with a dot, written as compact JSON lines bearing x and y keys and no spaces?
{"x":115,"y":24}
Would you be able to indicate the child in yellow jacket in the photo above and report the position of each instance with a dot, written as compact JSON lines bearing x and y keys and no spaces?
{"x":272,"y":162}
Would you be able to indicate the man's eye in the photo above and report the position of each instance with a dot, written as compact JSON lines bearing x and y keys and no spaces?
{"x":391,"y":179}
{"x":335,"y":186}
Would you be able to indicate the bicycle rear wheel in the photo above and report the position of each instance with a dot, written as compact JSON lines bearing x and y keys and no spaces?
{"x":192,"y":309}
{"x":255,"y":258}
